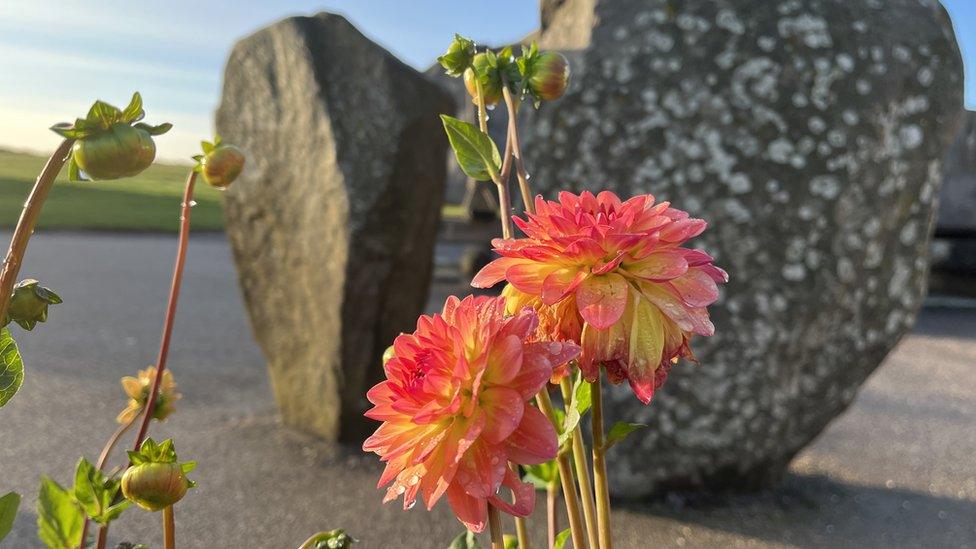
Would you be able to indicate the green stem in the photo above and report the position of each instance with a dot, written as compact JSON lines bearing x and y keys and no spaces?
{"x":523,"y":177}
{"x":552,"y":492}
{"x":27,"y":221}
{"x":566,"y":478}
{"x":522,"y":532}
{"x":495,"y":527}
{"x":600,"y":480}
{"x":582,"y":471}
{"x":169,"y":528}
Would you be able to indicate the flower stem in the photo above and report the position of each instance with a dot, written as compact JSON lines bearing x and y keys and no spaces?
{"x":523,"y":177}
{"x":27,"y":221}
{"x":566,"y":477}
{"x":174,"y":293}
{"x":495,"y":527}
{"x":552,"y":492}
{"x":102,"y":537}
{"x":102,"y":459}
{"x":522,"y":533}
{"x":582,"y":471}
{"x":600,"y":480}
{"x":169,"y":528}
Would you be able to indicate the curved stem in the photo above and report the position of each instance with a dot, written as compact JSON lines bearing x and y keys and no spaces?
{"x":566,"y":478}
{"x":600,"y":480}
{"x":169,"y":528}
{"x":495,"y":527}
{"x":27,"y":221}
{"x":552,"y":492}
{"x":523,"y":177}
{"x":174,"y":294}
{"x":582,"y":471}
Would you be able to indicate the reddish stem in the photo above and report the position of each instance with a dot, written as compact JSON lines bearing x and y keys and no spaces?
{"x":174,"y":294}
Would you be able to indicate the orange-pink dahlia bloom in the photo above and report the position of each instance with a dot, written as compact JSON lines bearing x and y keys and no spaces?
{"x":455,"y":413}
{"x":613,"y":276}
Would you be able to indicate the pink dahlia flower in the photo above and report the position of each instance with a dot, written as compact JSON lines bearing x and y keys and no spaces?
{"x":634,"y":295}
{"x":455,"y":413}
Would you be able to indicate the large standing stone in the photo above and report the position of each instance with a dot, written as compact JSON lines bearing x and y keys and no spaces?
{"x":810,"y":134}
{"x":333,"y":222}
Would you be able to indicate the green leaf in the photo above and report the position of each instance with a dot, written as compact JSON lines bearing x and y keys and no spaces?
{"x":510,"y":542}
{"x":8,"y":511}
{"x":74,"y":173}
{"x":59,"y":519}
{"x":465,"y":540}
{"x":207,"y":147}
{"x":154,"y":130}
{"x":476,"y":152}
{"x":542,"y":475}
{"x":70,"y":131}
{"x":104,"y":114}
{"x":11,"y":367}
{"x":458,"y":56}
{"x":619,"y":431}
{"x":134,"y":112}
{"x":577,"y":408}
{"x":95,"y":493}
{"x":561,"y":539}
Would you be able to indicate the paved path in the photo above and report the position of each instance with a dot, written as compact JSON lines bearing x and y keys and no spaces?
{"x":899,"y":469}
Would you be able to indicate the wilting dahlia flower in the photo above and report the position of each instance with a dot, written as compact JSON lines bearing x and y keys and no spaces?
{"x":455,"y":413}
{"x":613,"y":276}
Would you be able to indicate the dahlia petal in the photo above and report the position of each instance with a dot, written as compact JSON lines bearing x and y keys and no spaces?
{"x":683,"y":229}
{"x":481,"y":470}
{"x":660,"y":266}
{"x":528,"y":277}
{"x":561,"y":282}
{"x":646,"y":345}
{"x":646,"y":383}
{"x":493,"y":273}
{"x":471,"y":511}
{"x":689,"y":319}
{"x":696,"y":288}
{"x":536,"y":370}
{"x":533,"y":441}
{"x":523,"y":496}
{"x":503,"y":410}
{"x":602,"y":299}
{"x":504,"y":360}
{"x":599,"y":346}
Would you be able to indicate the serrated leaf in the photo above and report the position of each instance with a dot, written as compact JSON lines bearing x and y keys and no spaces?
{"x":11,"y":367}
{"x":84,"y":490}
{"x":8,"y":511}
{"x":134,"y":112}
{"x":465,"y":540}
{"x":561,"y":539}
{"x":154,"y":130}
{"x":476,"y":153}
{"x":619,"y":431}
{"x":59,"y":519}
{"x":95,"y":493}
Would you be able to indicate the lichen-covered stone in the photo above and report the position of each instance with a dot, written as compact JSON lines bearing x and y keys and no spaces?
{"x":810,"y":134}
{"x":333,"y":221}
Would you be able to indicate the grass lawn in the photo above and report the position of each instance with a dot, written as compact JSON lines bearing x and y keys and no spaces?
{"x":147,"y":202}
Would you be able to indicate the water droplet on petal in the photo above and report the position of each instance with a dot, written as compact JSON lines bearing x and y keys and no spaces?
{"x":411,"y":505}
{"x":400,"y":489}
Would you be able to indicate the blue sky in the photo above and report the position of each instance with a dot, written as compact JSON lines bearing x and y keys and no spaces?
{"x":56,"y":56}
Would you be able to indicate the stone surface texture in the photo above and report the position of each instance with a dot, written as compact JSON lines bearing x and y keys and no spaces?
{"x":333,"y":222}
{"x":810,"y":134}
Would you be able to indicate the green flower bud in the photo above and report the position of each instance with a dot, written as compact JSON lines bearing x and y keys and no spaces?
{"x":28,"y":304}
{"x":458,"y":56}
{"x":110,"y":144}
{"x":154,"y":486}
{"x":485,"y":71}
{"x":220,"y":164}
{"x":547,"y":75}
{"x":333,"y":539}
{"x":155,"y":480}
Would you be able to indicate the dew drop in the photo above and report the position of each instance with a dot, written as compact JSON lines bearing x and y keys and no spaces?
{"x":414,"y":480}
{"x":490,"y":107}
{"x":193,"y":203}
{"x":400,"y":489}
{"x":410,"y":505}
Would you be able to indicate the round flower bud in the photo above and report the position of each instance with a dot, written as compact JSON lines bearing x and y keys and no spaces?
{"x":120,"y":151}
{"x":222,"y":165}
{"x":548,"y":76}
{"x":154,"y":486}
{"x":491,"y":82}
{"x":458,"y":56}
